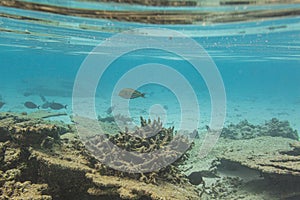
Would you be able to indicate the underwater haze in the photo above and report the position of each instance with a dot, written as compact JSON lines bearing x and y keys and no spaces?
{"x":254,"y":47}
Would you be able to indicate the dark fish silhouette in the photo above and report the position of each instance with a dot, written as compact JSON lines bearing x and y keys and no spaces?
{"x":46,"y":105}
{"x":57,"y":106}
{"x":43,"y":98}
{"x":196,"y":178}
{"x":207,"y":128}
{"x":195,"y":134}
{"x":27,"y":94}
{"x":129,"y":93}
{"x":1,"y":104}
{"x":31,"y":105}
{"x":110,"y":109}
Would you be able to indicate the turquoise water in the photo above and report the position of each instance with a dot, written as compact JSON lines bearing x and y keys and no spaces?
{"x":258,"y":62}
{"x":250,"y":69}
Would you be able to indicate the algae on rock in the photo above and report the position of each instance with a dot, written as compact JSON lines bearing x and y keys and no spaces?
{"x":65,"y":169}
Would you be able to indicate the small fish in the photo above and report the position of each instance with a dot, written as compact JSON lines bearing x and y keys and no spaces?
{"x":195,"y":134}
{"x":195,"y":178}
{"x":207,"y":128}
{"x":46,"y":105}
{"x":1,"y":104}
{"x":43,"y":98}
{"x":31,"y":105}
{"x":57,"y":106}
{"x":129,"y":93}
{"x":27,"y":94}
{"x":110,"y":109}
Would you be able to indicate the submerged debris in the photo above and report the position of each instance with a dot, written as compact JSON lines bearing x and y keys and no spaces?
{"x":45,"y":114}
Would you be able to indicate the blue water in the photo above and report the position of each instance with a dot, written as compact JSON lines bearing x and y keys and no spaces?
{"x":259,"y":65}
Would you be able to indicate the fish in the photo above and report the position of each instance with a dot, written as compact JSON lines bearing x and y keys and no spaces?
{"x":31,"y":105}
{"x":194,"y":134}
{"x":207,"y":128}
{"x":110,"y":109}
{"x":129,"y":93}
{"x":46,"y":105}
{"x":195,"y":178}
{"x":1,"y":104}
{"x":27,"y":94}
{"x":57,"y":106}
{"x":43,"y":98}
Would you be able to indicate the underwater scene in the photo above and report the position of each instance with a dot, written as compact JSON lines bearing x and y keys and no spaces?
{"x":160,"y":100}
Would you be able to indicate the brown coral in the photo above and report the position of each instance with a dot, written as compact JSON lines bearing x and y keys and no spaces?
{"x":150,"y":153}
{"x":66,"y":170}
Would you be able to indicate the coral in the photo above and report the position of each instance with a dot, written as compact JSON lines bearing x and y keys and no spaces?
{"x":245,"y":130}
{"x":27,"y":131}
{"x":10,"y":176}
{"x":23,"y":191}
{"x":242,"y":130}
{"x":275,"y":127}
{"x":150,"y":137}
{"x":36,"y":163}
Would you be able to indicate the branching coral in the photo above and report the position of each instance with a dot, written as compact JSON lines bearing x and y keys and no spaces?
{"x":150,"y":153}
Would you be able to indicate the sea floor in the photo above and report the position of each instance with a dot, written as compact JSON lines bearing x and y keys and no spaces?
{"x":47,"y":161}
{"x":243,"y":171}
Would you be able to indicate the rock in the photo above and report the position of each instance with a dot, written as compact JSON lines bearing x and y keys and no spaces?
{"x":36,"y":164}
{"x":269,"y":155}
{"x":28,"y":131}
{"x":23,"y":190}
